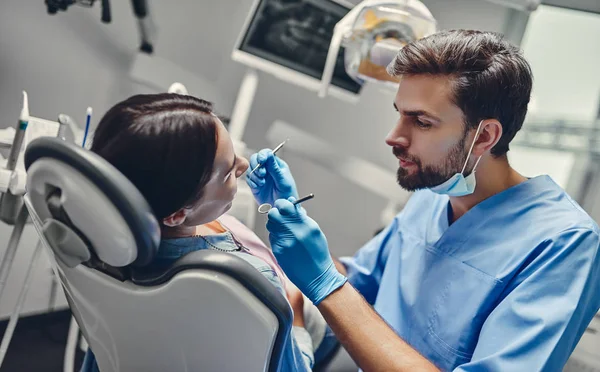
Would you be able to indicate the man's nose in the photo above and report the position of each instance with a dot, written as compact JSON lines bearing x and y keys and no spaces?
{"x":398,"y":136}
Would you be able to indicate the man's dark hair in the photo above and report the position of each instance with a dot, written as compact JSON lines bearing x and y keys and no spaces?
{"x":490,"y":77}
{"x":165,"y":144}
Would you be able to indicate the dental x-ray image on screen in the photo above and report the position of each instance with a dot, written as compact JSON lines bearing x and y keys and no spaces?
{"x":296,"y":34}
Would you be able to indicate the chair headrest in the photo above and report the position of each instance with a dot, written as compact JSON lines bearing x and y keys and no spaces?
{"x":97,"y":200}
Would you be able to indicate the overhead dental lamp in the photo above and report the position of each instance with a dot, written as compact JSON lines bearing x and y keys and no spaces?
{"x":140,"y":9}
{"x":371,"y":34}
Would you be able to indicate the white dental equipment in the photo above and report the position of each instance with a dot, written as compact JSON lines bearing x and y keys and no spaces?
{"x":290,"y":41}
{"x":12,"y":210}
{"x":178,"y":88}
{"x":19,"y":135}
{"x":9,"y":201}
{"x":372,"y":33}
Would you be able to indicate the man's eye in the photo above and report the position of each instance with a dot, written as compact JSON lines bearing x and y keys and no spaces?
{"x":422,"y":125}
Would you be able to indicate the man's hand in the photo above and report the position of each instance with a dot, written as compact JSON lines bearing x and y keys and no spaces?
{"x":301,"y":249}
{"x":273,"y":180}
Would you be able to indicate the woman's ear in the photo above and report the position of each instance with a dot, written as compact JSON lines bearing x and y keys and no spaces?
{"x":176,"y":218}
{"x":489,"y":135}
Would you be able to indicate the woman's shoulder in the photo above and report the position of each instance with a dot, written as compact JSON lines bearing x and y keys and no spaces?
{"x":265,"y":269}
{"x":256,"y":262}
{"x":242,"y":232}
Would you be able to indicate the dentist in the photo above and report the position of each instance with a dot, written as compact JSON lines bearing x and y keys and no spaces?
{"x":484,"y":269}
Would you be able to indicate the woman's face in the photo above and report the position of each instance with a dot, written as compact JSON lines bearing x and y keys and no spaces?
{"x":219,"y":192}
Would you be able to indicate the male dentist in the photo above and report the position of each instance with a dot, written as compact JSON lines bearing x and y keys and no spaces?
{"x":484,"y":269}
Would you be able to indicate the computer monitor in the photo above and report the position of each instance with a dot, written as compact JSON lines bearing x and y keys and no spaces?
{"x":290,"y":39}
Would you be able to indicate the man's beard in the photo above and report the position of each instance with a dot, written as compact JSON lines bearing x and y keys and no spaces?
{"x":430,"y":176}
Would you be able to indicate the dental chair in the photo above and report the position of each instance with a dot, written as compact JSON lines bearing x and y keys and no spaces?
{"x":207,"y":311}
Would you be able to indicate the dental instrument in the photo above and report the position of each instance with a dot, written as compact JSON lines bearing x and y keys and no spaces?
{"x":88,"y":118}
{"x":274,"y":152}
{"x":19,"y":135}
{"x":10,"y":203}
{"x":266,"y":207}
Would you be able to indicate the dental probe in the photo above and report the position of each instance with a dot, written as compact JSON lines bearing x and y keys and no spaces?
{"x":274,"y":152}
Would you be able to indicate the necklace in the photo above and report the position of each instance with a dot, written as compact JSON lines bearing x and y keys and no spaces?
{"x":239,"y":248}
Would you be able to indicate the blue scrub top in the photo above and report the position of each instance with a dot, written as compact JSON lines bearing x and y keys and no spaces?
{"x":509,"y":286}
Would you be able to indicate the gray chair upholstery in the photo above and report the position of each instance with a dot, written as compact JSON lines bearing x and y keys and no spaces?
{"x":208,"y":311}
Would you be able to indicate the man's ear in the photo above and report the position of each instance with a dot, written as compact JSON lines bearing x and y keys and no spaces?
{"x":176,"y":218}
{"x":489,"y":135}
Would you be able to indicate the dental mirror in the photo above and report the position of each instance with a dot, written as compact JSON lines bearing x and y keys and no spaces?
{"x":266,"y":207}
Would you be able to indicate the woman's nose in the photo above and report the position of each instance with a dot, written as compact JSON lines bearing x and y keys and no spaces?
{"x":243,"y":167}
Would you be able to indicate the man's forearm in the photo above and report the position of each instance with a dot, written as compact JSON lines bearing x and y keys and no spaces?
{"x":340,"y":267}
{"x":372,"y":344}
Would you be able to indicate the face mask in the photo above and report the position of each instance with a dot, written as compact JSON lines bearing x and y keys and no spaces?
{"x":459,"y":185}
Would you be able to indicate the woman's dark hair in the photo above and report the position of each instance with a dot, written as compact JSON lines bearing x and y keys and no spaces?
{"x":490,"y":77}
{"x":165,"y":144}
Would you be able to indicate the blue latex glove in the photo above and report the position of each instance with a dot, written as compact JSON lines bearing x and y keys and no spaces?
{"x":301,"y":249}
{"x":273,"y":180}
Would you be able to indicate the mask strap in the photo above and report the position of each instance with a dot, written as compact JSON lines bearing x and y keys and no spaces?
{"x":475,"y":166}
{"x":471,"y":149}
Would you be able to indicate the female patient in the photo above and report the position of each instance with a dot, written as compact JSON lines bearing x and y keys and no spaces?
{"x":181,"y":158}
